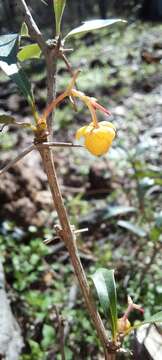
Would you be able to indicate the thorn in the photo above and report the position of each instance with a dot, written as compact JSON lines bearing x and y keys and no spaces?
{"x":80,"y":231}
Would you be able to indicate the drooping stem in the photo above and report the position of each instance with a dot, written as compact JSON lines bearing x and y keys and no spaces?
{"x":53,"y":104}
{"x":93,"y":114}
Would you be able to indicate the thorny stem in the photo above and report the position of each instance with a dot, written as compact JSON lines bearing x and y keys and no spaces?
{"x":65,"y":232}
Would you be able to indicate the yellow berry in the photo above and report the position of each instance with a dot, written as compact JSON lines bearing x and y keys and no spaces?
{"x":97,"y":139}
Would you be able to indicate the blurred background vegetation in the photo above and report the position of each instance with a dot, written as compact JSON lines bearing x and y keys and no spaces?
{"x":117,"y":196}
{"x":80,"y":10}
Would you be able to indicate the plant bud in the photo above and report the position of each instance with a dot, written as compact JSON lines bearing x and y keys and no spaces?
{"x":123,"y":325}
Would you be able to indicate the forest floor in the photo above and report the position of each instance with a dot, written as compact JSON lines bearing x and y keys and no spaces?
{"x":118,"y":196}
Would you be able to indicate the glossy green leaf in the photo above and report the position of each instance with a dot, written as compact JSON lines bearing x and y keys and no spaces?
{"x":104,"y":282}
{"x":156,"y":318}
{"x":93,"y":25}
{"x":19,"y":77}
{"x":132,"y":227}
{"x":31,"y":51}
{"x":8,"y":63}
{"x":8,"y":47}
{"x":113,"y":211}
{"x":59,"y":6}
{"x":23,"y":84}
{"x":24,"y":30}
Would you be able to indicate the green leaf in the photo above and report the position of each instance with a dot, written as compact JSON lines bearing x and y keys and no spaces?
{"x":118,"y":210}
{"x":132,"y":227}
{"x":93,"y":25}
{"x":8,"y":47}
{"x":23,"y":84}
{"x":7,"y":119}
{"x":31,"y":51}
{"x":59,"y":6}
{"x":8,"y":63}
{"x":24,"y":30}
{"x":156,"y":318}
{"x":10,"y":120}
{"x":19,"y":77}
{"x":48,"y":333}
{"x":36,"y":351}
{"x":104,"y":282}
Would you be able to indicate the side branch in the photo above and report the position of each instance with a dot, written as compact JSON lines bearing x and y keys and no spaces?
{"x":18,"y":158}
{"x":34,"y":31}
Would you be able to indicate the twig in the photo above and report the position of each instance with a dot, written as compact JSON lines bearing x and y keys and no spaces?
{"x":70,"y":69}
{"x":34,"y":31}
{"x":59,"y":144}
{"x":18,"y":158}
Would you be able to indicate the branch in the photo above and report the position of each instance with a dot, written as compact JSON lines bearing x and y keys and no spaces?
{"x":18,"y":158}
{"x":34,"y":31}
